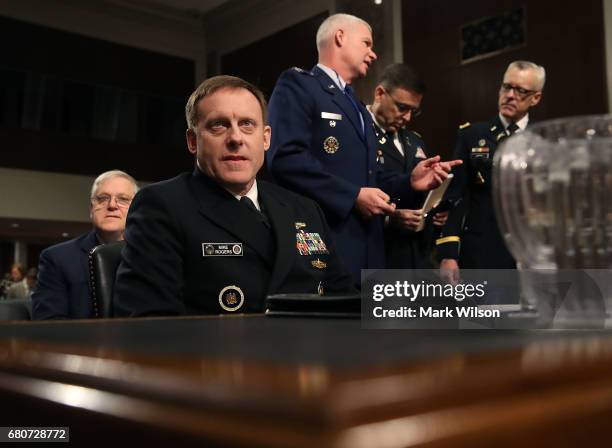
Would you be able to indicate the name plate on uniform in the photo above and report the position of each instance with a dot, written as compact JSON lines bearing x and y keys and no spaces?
{"x":222,"y":249}
{"x":331,"y":116}
{"x":480,"y":153}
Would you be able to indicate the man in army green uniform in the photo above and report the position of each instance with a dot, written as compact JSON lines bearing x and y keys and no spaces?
{"x":397,"y":99}
{"x":471,"y":238}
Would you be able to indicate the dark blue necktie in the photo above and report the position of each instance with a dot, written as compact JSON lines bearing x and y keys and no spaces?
{"x":512,"y":128}
{"x":245,"y":200}
{"x":350,"y":94}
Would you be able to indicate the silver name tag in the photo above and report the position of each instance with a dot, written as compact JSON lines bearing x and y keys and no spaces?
{"x":222,"y":249}
{"x":330,"y":116}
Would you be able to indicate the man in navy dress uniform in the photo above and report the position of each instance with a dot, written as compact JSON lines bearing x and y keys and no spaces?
{"x":397,"y":99}
{"x":471,"y":238}
{"x":217,"y":240}
{"x":323,"y":145}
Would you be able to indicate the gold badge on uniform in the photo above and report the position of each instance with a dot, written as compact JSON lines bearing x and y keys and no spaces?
{"x":382,"y":140}
{"x":231,"y":298}
{"x":482,"y":142}
{"x":331,"y":145}
{"x":318,"y":264}
{"x":300,"y":225}
{"x":332,"y":124}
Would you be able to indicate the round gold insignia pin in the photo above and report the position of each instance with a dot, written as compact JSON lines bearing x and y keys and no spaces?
{"x":331,"y":145}
{"x":209,"y":249}
{"x":231,"y":298}
{"x":482,"y":142}
{"x":237,"y":249}
{"x":332,"y":124}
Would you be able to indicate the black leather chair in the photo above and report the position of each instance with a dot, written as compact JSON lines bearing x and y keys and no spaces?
{"x":103,"y":263}
{"x":15,"y":309}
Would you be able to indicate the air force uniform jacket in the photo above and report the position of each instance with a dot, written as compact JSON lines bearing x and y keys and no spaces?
{"x":471,"y":233}
{"x":319,"y":149}
{"x":192,"y":248}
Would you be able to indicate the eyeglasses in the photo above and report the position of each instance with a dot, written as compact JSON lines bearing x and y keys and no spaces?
{"x":405,"y":108}
{"x":519,"y":91}
{"x":104,"y":199}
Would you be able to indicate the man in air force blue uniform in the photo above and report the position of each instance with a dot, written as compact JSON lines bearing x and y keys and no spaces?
{"x":323,"y":145}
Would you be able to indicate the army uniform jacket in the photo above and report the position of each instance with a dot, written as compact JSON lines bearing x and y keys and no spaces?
{"x":405,"y":249}
{"x":318,"y":149}
{"x":192,"y":248}
{"x":471,"y":233}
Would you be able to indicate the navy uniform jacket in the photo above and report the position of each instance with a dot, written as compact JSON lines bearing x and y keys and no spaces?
{"x":63,"y":280}
{"x":192,"y":248}
{"x":405,"y":249}
{"x":318,"y":149}
{"x":471,"y":233}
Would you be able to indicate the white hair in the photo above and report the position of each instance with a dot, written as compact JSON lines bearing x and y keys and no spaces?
{"x":110,"y":175}
{"x":328,"y":28}
{"x":538,"y":70}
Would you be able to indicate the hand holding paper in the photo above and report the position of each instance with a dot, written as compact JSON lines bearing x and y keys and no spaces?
{"x":430,"y":173}
{"x":407,"y":219}
{"x":433,"y":200}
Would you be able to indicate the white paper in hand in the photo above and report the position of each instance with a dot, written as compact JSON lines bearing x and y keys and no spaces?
{"x":433,"y":200}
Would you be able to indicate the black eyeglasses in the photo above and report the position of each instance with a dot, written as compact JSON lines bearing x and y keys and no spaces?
{"x":405,"y":108}
{"x":522,"y":93}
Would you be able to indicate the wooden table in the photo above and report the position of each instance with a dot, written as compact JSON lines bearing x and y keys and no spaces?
{"x":262,"y":381}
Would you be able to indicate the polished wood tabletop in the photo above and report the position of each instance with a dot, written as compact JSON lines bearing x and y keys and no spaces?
{"x":263,"y":381}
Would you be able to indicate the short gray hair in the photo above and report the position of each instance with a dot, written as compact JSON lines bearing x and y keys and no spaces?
{"x":110,"y":175}
{"x":210,"y":86}
{"x":527,"y":65}
{"x":330,"y":25}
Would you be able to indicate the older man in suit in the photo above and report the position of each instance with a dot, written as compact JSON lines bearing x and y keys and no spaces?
{"x":63,"y":272}
{"x":323,"y":145}
{"x":217,"y":240}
